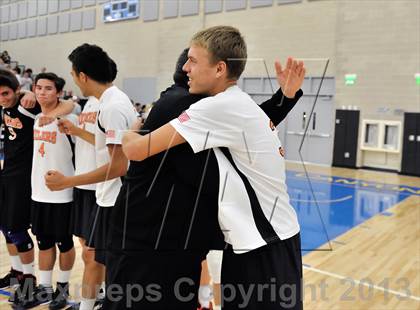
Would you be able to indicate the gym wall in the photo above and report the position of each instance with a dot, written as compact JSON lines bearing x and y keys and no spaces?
{"x":378,"y":40}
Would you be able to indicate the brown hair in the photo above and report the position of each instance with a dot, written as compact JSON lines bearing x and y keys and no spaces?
{"x":224,"y":43}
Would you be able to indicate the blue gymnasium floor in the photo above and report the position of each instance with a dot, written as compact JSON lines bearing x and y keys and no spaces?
{"x":343,"y":204}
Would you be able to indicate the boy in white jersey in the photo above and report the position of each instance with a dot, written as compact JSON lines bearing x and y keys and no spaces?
{"x":260,"y":226}
{"x":52,"y":211}
{"x":94,"y":71}
{"x":85,"y":207}
{"x":15,"y":183}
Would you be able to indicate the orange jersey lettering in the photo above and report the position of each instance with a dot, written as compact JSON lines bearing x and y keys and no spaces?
{"x":46,"y":136}
{"x":13,"y":122}
{"x":88,"y":117}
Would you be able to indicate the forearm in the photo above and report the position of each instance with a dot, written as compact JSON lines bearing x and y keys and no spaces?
{"x":101,"y":174}
{"x":135,"y":146}
{"x":278,"y":106}
{"x":85,"y":135}
{"x":65,"y":107}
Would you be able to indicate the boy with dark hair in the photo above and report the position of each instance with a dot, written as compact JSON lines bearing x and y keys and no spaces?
{"x":259,"y":225}
{"x":93,"y":72}
{"x":52,"y":211}
{"x":15,"y":183}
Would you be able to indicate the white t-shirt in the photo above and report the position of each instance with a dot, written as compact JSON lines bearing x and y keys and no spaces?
{"x":52,"y":151}
{"x":85,"y":152}
{"x":254,"y":208}
{"x":116,"y":115}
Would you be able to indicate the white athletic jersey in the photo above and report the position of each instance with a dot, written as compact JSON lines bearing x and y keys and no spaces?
{"x":52,"y":151}
{"x":85,"y":152}
{"x":254,"y":208}
{"x":116,"y":115}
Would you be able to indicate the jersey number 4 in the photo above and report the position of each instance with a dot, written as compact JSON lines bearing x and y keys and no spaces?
{"x":41,"y":150}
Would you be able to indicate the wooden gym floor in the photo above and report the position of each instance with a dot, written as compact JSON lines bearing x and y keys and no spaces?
{"x":373,"y":265}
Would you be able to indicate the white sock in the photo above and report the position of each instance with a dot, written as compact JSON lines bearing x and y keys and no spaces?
{"x":205,"y":295}
{"x":45,"y":278}
{"x":87,"y":304}
{"x":29,"y":268}
{"x":16,"y":263}
{"x":217,"y":307}
{"x":63,"y":276}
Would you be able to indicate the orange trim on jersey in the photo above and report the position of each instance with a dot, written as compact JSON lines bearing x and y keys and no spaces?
{"x":47,"y":136}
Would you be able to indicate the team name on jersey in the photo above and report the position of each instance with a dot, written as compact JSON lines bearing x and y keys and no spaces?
{"x":88,"y":117}
{"x":12,"y":122}
{"x":47,"y":136}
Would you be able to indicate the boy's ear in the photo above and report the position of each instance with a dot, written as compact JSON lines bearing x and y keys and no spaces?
{"x":83,"y":77}
{"x":221,"y":68}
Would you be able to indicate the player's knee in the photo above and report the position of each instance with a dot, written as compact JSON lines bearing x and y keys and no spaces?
{"x":65,"y":244}
{"x":22,"y":240}
{"x":6,"y":236}
{"x":45,"y":243}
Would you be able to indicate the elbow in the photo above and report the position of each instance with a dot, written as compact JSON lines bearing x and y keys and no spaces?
{"x":131,"y":152}
{"x":118,"y":169}
{"x":122,"y":171}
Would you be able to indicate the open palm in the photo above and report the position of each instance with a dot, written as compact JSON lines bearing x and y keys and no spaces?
{"x":291,"y":77}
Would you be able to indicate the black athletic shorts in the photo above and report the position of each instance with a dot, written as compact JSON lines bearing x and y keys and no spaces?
{"x":268,"y":278}
{"x":99,"y":236}
{"x":15,"y":203}
{"x":52,"y":219}
{"x":84,"y":212}
{"x":153,"y":279}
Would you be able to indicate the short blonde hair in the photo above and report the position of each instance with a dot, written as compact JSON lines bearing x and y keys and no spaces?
{"x":224,"y":43}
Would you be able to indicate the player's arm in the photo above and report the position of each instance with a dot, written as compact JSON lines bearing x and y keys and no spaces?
{"x":117,"y":167}
{"x":290,"y":80}
{"x":69,"y":128}
{"x":137,"y":147}
{"x":28,"y":100}
{"x":65,"y":107}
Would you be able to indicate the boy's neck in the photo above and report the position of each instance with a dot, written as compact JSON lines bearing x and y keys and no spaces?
{"x":49,"y":107}
{"x":99,"y":89}
{"x":222,"y":87}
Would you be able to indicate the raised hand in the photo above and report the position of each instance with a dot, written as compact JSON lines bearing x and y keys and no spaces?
{"x":290,"y":78}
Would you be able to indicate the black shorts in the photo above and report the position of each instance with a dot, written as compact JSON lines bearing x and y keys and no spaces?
{"x":153,"y":280}
{"x":272,"y":273}
{"x":15,"y":203}
{"x":54,"y":220}
{"x":99,"y":236}
{"x":84,"y":212}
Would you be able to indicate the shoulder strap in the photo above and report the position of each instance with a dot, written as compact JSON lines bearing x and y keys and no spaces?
{"x":99,"y":124}
{"x":72,"y":146}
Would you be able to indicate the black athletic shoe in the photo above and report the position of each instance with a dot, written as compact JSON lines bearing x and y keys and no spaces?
{"x":16,"y":294}
{"x":10,"y":279}
{"x":60,"y":296}
{"x":74,"y":307}
{"x":31,"y":298}
{"x":99,"y":304}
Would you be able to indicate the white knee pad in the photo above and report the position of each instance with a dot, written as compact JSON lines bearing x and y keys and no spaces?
{"x":214,"y":262}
